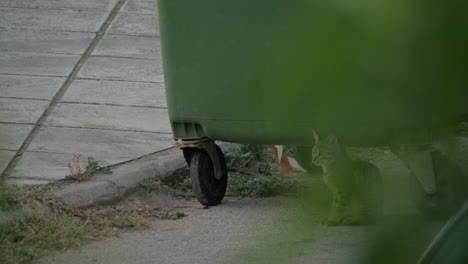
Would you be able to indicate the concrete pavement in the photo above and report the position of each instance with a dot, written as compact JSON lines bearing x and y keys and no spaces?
{"x":79,"y":77}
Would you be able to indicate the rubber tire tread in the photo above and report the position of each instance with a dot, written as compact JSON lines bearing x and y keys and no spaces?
{"x":201,"y":170}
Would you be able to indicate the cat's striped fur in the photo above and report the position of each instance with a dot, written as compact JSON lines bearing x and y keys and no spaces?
{"x":356,"y":186}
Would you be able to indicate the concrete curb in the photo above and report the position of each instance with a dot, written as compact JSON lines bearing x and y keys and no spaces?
{"x":108,"y":188}
{"x":125,"y":178}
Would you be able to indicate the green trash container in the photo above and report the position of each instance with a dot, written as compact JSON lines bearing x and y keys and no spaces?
{"x":270,"y":71}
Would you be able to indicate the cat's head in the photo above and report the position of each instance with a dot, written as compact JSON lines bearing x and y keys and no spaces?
{"x":325,"y":152}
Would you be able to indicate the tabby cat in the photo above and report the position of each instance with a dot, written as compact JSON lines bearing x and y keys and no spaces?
{"x":356,"y":186}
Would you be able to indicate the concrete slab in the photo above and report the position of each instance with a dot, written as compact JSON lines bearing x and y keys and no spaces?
{"x":12,"y":136}
{"x":29,"y":87}
{"x":43,"y":166}
{"x":104,"y":5}
{"x":114,"y":113}
{"x":64,"y":20}
{"x":53,"y":166}
{"x":31,"y":63}
{"x":21,"y":111}
{"x":129,"y":46}
{"x":122,"y":69}
{"x":135,"y":24}
{"x":24,"y":181}
{"x":110,"y":117}
{"x":106,"y":146}
{"x":140,"y":6}
{"x":5,"y":157}
{"x":44,"y":41}
{"x":116,"y":92}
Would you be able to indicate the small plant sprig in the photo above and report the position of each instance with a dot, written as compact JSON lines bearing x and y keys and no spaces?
{"x":74,"y":167}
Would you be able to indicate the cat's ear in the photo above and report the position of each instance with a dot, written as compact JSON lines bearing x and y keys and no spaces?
{"x":316,"y":136}
{"x":332,"y":140}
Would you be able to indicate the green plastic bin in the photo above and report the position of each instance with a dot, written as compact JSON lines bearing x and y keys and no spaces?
{"x":269,"y":71}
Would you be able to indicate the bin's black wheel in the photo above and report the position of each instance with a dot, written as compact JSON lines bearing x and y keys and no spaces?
{"x":208,"y":190}
{"x":188,"y":154}
{"x":451,"y":189}
{"x":303,"y":156}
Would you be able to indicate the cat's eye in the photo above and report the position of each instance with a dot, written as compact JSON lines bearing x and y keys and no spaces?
{"x":314,"y":152}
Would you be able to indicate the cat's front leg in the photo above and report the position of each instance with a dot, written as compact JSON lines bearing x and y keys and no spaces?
{"x":372,"y":213}
{"x":332,"y":219}
{"x":337,"y":211}
{"x":372,"y":198}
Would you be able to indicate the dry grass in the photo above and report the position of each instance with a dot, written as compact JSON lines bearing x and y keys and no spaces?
{"x":46,"y":230}
{"x":54,"y":227}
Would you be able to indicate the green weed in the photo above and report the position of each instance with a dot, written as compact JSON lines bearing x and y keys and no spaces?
{"x":167,"y":215}
{"x":253,"y":172}
{"x":248,"y":186}
{"x":177,"y":184}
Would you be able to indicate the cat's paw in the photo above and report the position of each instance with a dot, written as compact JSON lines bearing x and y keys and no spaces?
{"x":330,"y":222}
{"x":342,"y":221}
{"x":369,"y":221}
{"x":349,"y":221}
